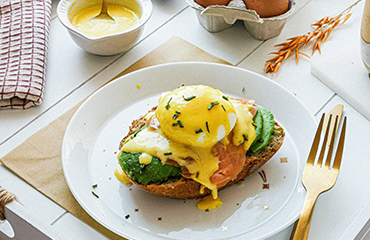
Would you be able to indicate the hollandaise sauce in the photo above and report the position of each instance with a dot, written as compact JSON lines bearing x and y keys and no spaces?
{"x":209,"y":203}
{"x":121,"y":176}
{"x":154,"y":143}
{"x":84,"y":20}
{"x":193,"y":131}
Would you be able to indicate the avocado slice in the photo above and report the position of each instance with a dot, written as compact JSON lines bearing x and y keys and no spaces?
{"x":154,"y":172}
{"x":268,"y":124}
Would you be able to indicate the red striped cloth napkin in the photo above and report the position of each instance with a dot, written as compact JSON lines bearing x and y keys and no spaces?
{"x":24,"y":31}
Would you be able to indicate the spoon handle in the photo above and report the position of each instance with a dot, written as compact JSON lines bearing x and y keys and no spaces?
{"x":104,"y":7}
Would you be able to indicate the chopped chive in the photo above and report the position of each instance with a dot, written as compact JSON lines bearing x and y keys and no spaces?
{"x":245,"y":137}
{"x":224,"y":97}
{"x":180,"y":123}
{"x":127,"y":216}
{"x":223,"y":108}
{"x":243,"y":90}
{"x":175,"y":116}
{"x":188,"y":98}
{"x":174,"y":124}
{"x":168,"y":104}
{"x":178,"y":112}
{"x":167,"y":153}
{"x":197,"y":175}
{"x":207,"y":127}
{"x":96,"y":195}
{"x":198,"y":131}
{"x":212,"y":104}
{"x":95,"y":185}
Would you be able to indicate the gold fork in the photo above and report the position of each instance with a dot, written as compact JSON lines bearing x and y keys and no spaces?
{"x":317,"y":178}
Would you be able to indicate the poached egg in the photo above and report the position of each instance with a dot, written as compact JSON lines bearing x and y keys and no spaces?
{"x":186,"y":126}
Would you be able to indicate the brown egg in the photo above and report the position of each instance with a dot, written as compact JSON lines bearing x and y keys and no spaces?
{"x":206,"y":3}
{"x":268,"y":8}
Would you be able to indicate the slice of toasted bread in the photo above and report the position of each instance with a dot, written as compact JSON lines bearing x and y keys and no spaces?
{"x":185,"y":188}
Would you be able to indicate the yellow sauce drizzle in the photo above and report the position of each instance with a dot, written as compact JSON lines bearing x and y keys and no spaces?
{"x":124,"y":19}
{"x":145,"y":158}
{"x":209,"y":203}
{"x":121,"y":176}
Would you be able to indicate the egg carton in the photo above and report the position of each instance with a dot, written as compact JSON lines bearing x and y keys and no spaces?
{"x":217,"y":18}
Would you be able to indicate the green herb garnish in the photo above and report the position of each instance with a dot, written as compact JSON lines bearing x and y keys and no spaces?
{"x":95,"y":185}
{"x":223,"y":108}
{"x":180,"y":123}
{"x":96,"y":195}
{"x":167,"y":153}
{"x":196,"y":176}
{"x":188,"y":98}
{"x":127,"y":216}
{"x":212,"y":104}
{"x":224,"y":97}
{"x":174,"y":124}
{"x":168,"y":104}
{"x":245,"y":137}
{"x":198,"y":131}
{"x":207,"y":127}
{"x":175,"y":116}
{"x":178,"y":112}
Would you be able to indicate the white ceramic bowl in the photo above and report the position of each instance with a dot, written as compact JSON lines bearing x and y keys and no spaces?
{"x":106,"y":45}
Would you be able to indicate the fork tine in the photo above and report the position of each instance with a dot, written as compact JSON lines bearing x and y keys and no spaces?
{"x":315,"y":144}
{"x":323,"y":148}
{"x":331,"y":144}
{"x":338,"y":155}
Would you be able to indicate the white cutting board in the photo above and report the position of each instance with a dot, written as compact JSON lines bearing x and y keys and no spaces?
{"x":345,"y":74}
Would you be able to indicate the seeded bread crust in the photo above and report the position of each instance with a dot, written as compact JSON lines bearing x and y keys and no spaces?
{"x":185,"y":188}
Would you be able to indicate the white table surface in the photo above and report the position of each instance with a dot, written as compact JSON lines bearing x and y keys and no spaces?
{"x":73,"y":74}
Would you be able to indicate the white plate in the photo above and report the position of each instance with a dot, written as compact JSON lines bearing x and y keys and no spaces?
{"x":90,"y":157}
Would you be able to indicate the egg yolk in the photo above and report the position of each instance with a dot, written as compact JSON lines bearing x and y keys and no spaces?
{"x":196,"y":115}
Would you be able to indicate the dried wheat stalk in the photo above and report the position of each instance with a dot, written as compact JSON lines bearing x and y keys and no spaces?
{"x":318,"y":36}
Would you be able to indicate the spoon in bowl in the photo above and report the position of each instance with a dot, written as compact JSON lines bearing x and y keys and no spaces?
{"x":103,"y":15}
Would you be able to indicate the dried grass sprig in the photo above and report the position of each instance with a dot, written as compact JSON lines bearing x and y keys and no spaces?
{"x":321,"y":33}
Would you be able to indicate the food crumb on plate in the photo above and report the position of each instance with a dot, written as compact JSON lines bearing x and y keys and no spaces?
{"x":284,"y":160}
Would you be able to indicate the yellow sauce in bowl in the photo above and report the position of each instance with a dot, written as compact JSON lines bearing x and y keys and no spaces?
{"x":124,"y":19}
